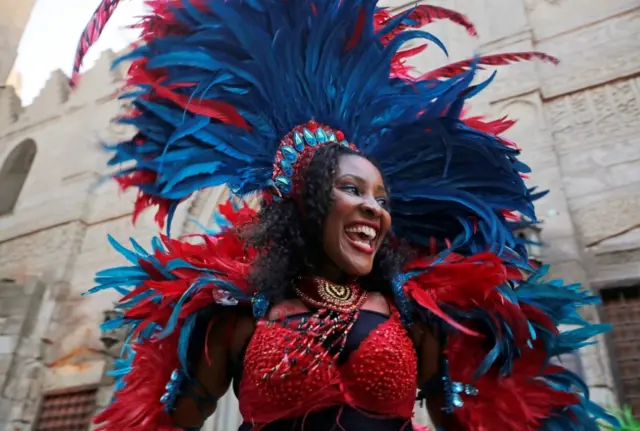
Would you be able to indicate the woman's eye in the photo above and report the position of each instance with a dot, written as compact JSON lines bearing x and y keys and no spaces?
{"x":383,"y":202}
{"x":350,"y":189}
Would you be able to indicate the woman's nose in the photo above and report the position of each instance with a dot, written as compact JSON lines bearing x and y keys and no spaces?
{"x":371,"y":208}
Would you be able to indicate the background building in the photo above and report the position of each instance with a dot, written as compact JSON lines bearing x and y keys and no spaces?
{"x":579,"y":127}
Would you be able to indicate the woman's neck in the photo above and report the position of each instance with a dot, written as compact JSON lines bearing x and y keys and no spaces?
{"x":331,"y":273}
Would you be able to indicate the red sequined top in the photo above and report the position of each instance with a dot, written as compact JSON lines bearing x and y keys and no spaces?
{"x":378,"y":377}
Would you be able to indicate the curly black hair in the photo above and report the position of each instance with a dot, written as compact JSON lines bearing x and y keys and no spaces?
{"x":289,"y":240}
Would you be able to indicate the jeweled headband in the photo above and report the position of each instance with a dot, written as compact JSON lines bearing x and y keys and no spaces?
{"x":296,"y":150}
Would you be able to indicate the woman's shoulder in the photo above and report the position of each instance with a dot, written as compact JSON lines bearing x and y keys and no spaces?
{"x":287,"y":307}
{"x":377,"y":302}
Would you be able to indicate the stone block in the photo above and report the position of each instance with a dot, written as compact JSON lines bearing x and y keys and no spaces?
{"x":605,"y":397}
{"x":5,"y":411}
{"x":77,"y":374}
{"x":611,"y":54}
{"x":14,"y":306}
{"x":624,"y":242}
{"x":558,"y":250}
{"x":45,"y":253}
{"x":5,"y":363}
{"x":605,"y":215}
{"x":570,"y":271}
{"x":10,"y":290}
{"x":625,"y":274}
{"x":30,"y":410}
{"x":30,"y":348}
{"x":496,"y":27}
{"x":592,"y":362}
{"x":104,"y":395}
{"x":554,"y":216}
{"x":602,"y":179}
{"x":549,"y":18}
{"x":600,"y":156}
{"x":8,"y":344}
{"x":599,"y":116}
{"x":17,"y":387}
{"x":13,"y":325}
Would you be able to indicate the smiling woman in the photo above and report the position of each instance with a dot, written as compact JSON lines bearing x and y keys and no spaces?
{"x":358,"y":284}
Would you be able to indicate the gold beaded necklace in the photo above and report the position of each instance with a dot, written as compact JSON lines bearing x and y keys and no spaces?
{"x":337,"y":308}
{"x":336,"y":297}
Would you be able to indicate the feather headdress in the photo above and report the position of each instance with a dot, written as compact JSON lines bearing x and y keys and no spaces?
{"x":219,"y":85}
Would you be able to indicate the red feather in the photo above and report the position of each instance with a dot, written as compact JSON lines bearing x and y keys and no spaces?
{"x":463,"y":283}
{"x":399,"y":68}
{"x":517,"y":402}
{"x":357,"y":31}
{"x":91,"y":33}
{"x":426,"y":14}
{"x":143,"y":200}
{"x":137,"y":406}
{"x":422,"y":15}
{"x":495,"y":127}
{"x":459,"y":67}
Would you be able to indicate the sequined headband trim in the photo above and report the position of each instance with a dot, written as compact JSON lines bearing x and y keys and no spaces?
{"x":295,"y":153}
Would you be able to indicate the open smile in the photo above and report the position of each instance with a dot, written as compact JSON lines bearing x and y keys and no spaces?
{"x":362,"y":237}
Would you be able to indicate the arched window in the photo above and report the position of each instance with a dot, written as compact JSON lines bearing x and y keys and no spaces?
{"x":13,"y":174}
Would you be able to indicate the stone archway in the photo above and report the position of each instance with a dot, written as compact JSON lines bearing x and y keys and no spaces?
{"x":14,"y":172}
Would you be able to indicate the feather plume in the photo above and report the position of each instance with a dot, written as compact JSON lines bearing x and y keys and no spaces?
{"x":164,"y":291}
{"x":91,"y":33}
{"x":504,"y":59}
{"x":419,"y":16}
{"x":508,"y":363}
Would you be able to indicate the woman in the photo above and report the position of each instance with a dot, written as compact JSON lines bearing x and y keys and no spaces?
{"x":383,"y":259}
{"x":333,"y":255}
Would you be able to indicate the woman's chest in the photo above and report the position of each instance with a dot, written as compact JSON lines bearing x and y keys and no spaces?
{"x":299,"y":366}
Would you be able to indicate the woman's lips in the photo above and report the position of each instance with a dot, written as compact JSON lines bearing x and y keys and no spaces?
{"x":360,"y":245}
{"x":361,"y":237}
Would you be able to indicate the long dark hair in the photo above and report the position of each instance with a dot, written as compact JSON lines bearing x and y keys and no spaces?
{"x":290,"y":240}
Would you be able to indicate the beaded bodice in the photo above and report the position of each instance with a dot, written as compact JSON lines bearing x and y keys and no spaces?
{"x":377,"y":376}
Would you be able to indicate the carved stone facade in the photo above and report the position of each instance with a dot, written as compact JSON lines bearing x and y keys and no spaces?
{"x":578,"y":126}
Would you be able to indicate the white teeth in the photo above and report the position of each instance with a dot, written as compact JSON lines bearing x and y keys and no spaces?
{"x":365,"y":230}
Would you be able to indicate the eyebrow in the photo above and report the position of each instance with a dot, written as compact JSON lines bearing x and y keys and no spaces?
{"x":380,"y":188}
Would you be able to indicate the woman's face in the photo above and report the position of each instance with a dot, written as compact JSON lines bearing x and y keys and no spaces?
{"x":359,"y":218}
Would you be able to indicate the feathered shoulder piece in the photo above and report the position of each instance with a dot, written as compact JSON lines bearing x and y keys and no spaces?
{"x":501,"y":333}
{"x":171,"y":296}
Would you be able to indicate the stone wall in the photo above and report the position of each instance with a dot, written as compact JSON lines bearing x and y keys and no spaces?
{"x":23,"y":321}
{"x":60,"y":207}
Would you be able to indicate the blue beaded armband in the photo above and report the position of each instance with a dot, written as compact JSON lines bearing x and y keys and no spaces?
{"x":172,"y":389}
{"x":454,"y":392}
{"x":179,"y":385}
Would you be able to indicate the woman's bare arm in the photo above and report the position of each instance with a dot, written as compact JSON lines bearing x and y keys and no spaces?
{"x":429,"y":362}
{"x":225,"y":341}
